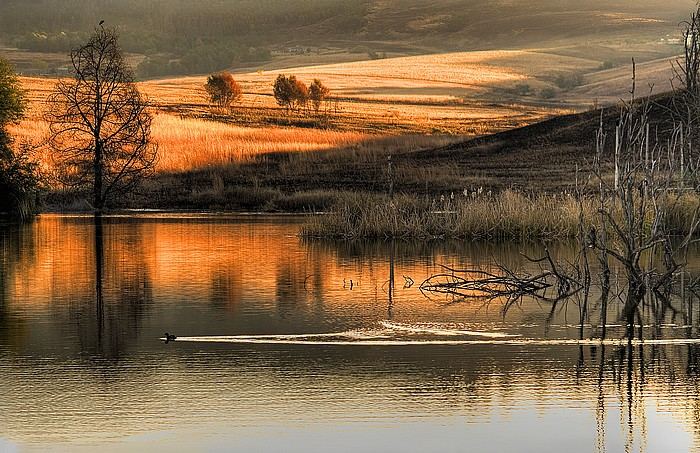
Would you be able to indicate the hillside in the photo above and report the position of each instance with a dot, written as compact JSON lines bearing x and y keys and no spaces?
{"x":542,"y":157}
{"x":420,"y":110}
{"x":167,"y":37}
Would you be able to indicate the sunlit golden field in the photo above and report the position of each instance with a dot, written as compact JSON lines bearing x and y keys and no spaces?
{"x":462,"y":85}
{"x":366,"y":110}
{"x":186,"y":144}
{"x":457,"y":93}
{"x":191,"y":143}
{"x":465,"y":85}
{"x":388,"y":105}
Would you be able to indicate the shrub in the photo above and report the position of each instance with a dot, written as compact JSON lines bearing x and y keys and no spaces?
{"x":19,"y":181}
{"x":569,"y":81}
{"x":548,"y":93}
{"x":18,"y":175}
{"x":11,"y":95}
{"x":284,"y":90}
{"x":290,"y":92}
{"x":300,"y":94}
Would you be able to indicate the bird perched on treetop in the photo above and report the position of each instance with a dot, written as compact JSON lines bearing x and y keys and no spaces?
{"x":102,"y":23}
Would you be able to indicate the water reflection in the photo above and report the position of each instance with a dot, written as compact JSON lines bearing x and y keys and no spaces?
{"x":83,"y":303}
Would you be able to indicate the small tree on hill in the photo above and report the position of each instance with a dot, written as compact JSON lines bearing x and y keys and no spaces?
{"x":318,"y":93}
{"x":99,"y":122}
{"x":284,"y":90}
{"x":223,"y":90}
{"x":300,"y":94}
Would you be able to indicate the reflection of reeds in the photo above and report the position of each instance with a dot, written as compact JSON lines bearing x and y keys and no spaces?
{"x":509,"y":214}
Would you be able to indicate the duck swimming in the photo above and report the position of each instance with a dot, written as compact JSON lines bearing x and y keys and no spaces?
{"x":169,"y":337}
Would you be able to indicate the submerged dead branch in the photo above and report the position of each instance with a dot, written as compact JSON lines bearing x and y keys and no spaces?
{"x":504,"y":284}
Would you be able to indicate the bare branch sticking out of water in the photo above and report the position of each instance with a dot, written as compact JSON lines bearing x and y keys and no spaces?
{"x":504,"y":283}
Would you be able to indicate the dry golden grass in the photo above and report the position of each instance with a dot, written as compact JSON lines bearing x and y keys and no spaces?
{"x":465,"y":93}
{"x":446,"y":93}
{"x":419,"y":78}
{"x":508,"y":214}
{"x":187,"y":144}
{"x":390,"y":105}
{"x":460,"y":93}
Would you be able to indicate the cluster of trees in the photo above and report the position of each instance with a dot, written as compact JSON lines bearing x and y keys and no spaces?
{"x":290,"y":92}
{"x":569,"y":81}
{"x":293,"y":94}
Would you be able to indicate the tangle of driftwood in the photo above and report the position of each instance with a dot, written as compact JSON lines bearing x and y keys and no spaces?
{"x":551,"y":284}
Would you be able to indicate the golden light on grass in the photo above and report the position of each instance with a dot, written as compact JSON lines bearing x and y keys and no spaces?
{"x":393,"y":105}
{"x":187,"y":144}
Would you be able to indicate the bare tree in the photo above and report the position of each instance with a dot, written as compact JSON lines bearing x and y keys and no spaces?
{"x":624,"y":224}
{"x":99,"y":122}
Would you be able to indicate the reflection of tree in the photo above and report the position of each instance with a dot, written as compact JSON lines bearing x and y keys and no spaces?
{"x":16,"y":246}
{"x":627,"y":374}
{"x":225,"y":288}
{"x":392,"y":281}
{"x":6,"y":266}
{"x":619,"y":377}
{"x":289,"y":290}
{"x":109,"y":321}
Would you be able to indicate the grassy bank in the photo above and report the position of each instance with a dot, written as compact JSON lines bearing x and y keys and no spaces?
{"x":507,"y":215}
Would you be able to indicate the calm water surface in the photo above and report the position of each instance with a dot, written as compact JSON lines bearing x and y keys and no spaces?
{"x":287,"y":345}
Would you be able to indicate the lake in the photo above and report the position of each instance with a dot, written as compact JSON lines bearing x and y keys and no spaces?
{"x":293,"y":345}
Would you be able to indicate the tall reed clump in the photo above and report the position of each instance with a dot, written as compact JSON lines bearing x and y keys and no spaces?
{"x":507,"y":215}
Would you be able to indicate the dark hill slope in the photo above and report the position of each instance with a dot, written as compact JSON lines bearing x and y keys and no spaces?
{"x":542,"y":156}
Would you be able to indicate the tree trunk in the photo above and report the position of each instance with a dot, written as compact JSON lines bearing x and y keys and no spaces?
{"x":98,"y":164}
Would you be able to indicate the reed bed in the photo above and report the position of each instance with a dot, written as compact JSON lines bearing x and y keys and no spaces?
{"x":507,"y":215}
